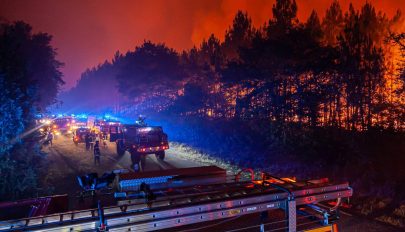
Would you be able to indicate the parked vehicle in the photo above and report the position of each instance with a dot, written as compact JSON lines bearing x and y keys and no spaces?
{"x":140,"y":140}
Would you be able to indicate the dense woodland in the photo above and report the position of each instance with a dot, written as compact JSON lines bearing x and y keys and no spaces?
{"x":30,"y":79}
{"x":345,"y":70}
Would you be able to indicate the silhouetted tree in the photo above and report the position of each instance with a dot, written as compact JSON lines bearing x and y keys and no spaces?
{"x":284,"y":15}
{"x":239,"y":35}
{"x":29,"y":81}
{"x":362,"y":64}
{"x":194,"y":99}
{"x":399,"y":39}
{"x":151,"y":68}
{"x":333,"y":23}
{"x":29,"y":60}
{"x":212,"y":53}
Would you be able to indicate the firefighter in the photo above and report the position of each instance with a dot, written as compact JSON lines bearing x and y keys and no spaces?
{"x":50,"y":137}
{"x":92,"y":139}
{"x":87,"y":141}
{"x":97,"y":153}
{"x":103,"y":138}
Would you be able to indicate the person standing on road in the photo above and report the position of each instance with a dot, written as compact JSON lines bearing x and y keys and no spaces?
{"x":50,"y":138}
{"x":97,"y":153}
{"x":92,"y":138}
{"x":87,"y":141}
{"x":103,"y":137}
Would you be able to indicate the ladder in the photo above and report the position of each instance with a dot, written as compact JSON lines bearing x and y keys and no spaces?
{"x":183,"y":206}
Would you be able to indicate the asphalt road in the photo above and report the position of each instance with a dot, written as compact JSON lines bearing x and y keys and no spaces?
{"x":67,"y":160}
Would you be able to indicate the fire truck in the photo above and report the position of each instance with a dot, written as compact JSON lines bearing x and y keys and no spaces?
{"x":140,"y":140}
{"x":79,"y":135}
{"x":62,"y":124}
{"x":200,"y":198}
{"x":104,"y":125}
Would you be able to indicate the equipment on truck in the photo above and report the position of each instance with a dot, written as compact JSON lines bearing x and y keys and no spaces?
{"x":169,"y":178}
{"x":280,"y":204}
{"x":90,"y":183}
{"x":140,"y":140}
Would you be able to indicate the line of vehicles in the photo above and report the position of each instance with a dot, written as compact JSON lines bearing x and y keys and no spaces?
{"x":139,"y":139}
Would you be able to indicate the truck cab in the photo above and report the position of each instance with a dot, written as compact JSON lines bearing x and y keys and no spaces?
{"x":79,"y":135}
{"x":62,"y":124}
{"x":139,"y":140}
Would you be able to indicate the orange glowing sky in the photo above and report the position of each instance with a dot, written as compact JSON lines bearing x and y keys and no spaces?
{"x":86,"y":32}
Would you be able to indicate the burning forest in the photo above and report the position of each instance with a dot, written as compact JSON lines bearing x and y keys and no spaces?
{"x":305,"y":97}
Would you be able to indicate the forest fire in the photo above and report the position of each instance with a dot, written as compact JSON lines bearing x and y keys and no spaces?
{"x":279,"y":87}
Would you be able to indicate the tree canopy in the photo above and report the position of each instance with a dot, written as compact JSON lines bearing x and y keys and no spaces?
{"x":30,"y":79}
{"x":335,"y":71}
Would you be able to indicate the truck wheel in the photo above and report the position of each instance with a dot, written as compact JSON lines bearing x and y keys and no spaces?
{"x":120,"y":148}
{"x":136,"y":161}
{"x":160,"y":155}
{"x":136,"y":167}
{"x":143,"y":162}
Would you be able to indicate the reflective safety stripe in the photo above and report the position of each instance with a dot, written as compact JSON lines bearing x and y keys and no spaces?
{"x":328,"y":228}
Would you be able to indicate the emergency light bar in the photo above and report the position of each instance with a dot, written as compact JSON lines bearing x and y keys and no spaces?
{"x":144,"y":129}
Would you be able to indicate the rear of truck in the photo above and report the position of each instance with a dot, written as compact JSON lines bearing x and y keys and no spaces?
{"x":139,"y":141}
{"x":146,"y":140}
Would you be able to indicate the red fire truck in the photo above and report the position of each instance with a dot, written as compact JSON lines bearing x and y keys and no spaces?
{"x":139,"y":140}
{"x":62,"y":124}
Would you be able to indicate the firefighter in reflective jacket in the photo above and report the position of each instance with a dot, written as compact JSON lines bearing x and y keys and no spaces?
{"x":97,"y":153}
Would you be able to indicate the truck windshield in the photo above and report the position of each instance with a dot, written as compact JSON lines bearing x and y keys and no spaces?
{"x":82,"y":131}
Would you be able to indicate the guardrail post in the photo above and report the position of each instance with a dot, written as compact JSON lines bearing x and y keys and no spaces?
{"x":291,"y":211}
{"x":325,"y":218}
{"x":290,"y":206}
{"x":102,"y":222}
{"x":263,"y":216}
{"x":262,"y":227}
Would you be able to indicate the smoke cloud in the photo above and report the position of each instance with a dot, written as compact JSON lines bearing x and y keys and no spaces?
{"x":88,"y":32}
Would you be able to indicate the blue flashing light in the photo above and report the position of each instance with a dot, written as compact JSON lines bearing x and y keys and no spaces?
{"x":82,"y":116}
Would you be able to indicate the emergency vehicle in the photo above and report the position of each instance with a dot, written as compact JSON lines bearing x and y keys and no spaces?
{"x":140,"y":140}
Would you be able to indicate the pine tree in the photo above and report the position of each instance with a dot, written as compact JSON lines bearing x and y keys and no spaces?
{"x":333,"y":23}
{"x":239,"y":35}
